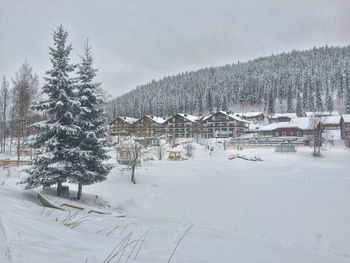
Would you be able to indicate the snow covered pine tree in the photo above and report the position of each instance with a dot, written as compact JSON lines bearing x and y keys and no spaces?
{"x":57,"y":137}
{"x":92,"y":139}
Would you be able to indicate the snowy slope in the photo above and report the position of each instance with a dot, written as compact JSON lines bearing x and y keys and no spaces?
{"x":288,"y":208}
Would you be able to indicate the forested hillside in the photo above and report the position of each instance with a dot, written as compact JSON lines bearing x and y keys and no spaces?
{"x":298,"y":81}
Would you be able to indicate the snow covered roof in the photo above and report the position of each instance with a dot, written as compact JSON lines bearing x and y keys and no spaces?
{"x":206,"y":117}
{"x":332,"y":120}
{"x":157,"y":119}
{"x":291,"y":115}
{"x":302,"y":123}
{"x":190,"y":117}
{"x":250,"y":114}
{"x":346,"y":117}
{"x":319,"y":113}
{"x":234,"y":116}
{"x":128,"y":119}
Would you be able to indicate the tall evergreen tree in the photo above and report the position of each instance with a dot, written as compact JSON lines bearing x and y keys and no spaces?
{"x":55,"y":143}
{"x":305,"y":97}
{"x":91,"y":121}
{"x":299,"y":106}
{"x":210,"y":101}
{"x":290,"y":107}
{"x":271,"y":105}
{"x":329,"y":101}
{"x":319,"y":104}
{"x":224,"y":106}
{"x":347,"y":101}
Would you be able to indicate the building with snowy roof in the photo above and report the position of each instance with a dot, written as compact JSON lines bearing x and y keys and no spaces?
{"x":345,"y":127}
{"x":297,"y":127}
{"x":149,"y":126}
{"x":256,"y":116}
{"x":122,"y":126}
{"x":321,"y":113}
{"x":282,"y":117}
{"x":331,"y":122}
{"x":183,"y":125}
{"x":223,"y":125}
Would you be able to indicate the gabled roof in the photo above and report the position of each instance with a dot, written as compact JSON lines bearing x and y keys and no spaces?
{"x":190,"y":117}
{"x":251,"y":114}
{"x":290,"y":115}
{"x":152,"y":118}
{"x":346,"y":117}
{"x":319,"y":113}
{"x":233,"y":116}
{"x":332,"y":120}
{"x":156,"y":119}
{"x":206,"y":117}
{"x":303,"y":123}
{"x":129,"y":120}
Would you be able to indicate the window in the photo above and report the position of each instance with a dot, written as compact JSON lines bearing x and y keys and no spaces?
{"x":298,"y":133}
{"x":291,"y":133}
{"x":277,"y":134}
{"x":124,"y":154}
{"x":284,"y":134}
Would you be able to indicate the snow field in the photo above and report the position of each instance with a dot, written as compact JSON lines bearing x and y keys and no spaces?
{"x":292,"y":207}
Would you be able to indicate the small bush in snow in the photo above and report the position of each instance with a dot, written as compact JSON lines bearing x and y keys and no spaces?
{"x":189,"y":148}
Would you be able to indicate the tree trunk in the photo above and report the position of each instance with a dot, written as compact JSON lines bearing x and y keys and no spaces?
{"x":80,"y":188}
{"x":11,"y":143}
{"x":315,"y":143}
{"x":59,"y":188}
{"x":18,"y":151}
{"x":133,"y":174}
{"x":319,"y":145}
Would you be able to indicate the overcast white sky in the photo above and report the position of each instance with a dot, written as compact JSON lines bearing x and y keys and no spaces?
{"x":136,"y":41}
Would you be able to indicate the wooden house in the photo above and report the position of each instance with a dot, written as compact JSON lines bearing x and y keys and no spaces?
{"x":252,"y":116}
{"x":282,"y":117}
{"x":297,"y":127}
{"x":126,"y":151}
{"x":122,"y":126}
{"x":149,"y":126}
{"x":345,"y":127}
{"x":223,"y":125}
{"x":321,"y":113}
{"x":175,"y":155}
{"x":183,"y":126}
{"x":331,"y":122}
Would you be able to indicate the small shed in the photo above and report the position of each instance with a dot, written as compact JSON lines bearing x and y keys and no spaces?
{"x":125,"y":151}
{"x":175,"y":155}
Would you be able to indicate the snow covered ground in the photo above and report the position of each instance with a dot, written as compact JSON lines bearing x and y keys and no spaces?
{"x":292,"y":207}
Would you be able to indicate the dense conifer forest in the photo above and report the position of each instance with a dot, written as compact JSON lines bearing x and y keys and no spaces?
{"x":298,"y":81}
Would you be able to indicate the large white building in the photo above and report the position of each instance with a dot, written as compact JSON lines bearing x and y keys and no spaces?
{"x":223,"y":124}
